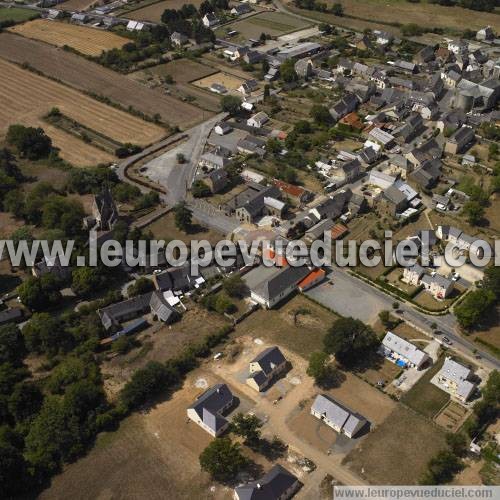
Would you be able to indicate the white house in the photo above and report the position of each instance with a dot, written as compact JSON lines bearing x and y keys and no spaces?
{"x":208,"y":408}
{"x":454,"y":379}
{"x":258,"y":120}
{"x":337,"y":416}
{"x":222,"y":128}
{"x":210,"y":20}
{"x":439,"y":286}
{"x":413,"y":274}
{"x":264,"y":368}
{"x":402,"y":352}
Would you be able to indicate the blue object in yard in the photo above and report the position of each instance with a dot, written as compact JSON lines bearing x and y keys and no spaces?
{"x":401,"y":363}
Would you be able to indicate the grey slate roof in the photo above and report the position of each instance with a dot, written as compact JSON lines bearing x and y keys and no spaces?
{"x":279,"y":282}
{"x":404,"y":348}
{"x":271,"y":486}
{"x":209,"y":405}
{"x":10,"y":315}
{"x":269,"y":359}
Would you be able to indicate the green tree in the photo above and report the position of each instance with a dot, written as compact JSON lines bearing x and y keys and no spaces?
{"x":472,"y":310}
{"x":45,"y":334}
{"x":350,"y":340}
{"x":25,"y":401}
{"x":12,"y":349}
{"x":287,"y":71}
{"x":234,"y":286}
{"x":140,"y":286}
{"x":474,"y":212}
{"x":183,"y":217}
{"x":40,"y":293}
{"x":64,"y":214}
{"x":222,"y":459}
{"x":247,"y":427}
{"x":321,"y":115}
{"x":200,"y":190}
{"x":14,"y":476}
{"x":30,"y":142}
{"x":442,"y":468}
{"x":337,"y":9}
{"x":86,"y":280}
{"x":230,"y":104}
{"x":71,"y":370}
{"x":457,"y":443}
{"x":491,"y":280}
{"x":321,"y":370}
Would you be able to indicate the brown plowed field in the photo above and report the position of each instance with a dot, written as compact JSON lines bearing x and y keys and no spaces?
{"x":90,"y":77}
{"x":90,"y":41}
{"x":26,"y":97}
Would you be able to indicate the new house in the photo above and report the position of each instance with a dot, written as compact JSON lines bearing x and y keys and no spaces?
{"x":402,"y":352}
{"x":454,"y":379}
{"x":264,"y":368}
{"x":413,"y":274}
{"x":439,"y":286}
{"x":258,"y":120}
{"x":207,"y":411}
{"x":337,"y":416}
{"x":277,"y":484}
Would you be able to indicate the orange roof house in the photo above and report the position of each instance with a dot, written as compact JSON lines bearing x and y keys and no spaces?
{"x":338,"y":231}
{"x":296,"y":193}
{"x":313,"y":278}
{"x":352,"y":120}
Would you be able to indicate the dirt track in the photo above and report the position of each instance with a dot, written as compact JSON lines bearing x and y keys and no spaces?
{"x":90,"y":77}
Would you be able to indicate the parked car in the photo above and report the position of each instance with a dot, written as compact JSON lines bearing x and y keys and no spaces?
{"x":446,"y":340}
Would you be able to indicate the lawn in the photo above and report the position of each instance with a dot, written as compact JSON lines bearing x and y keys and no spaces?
{"x":164,"y":228}
{"x":397,"y":451}
{"x":425,"y":397}
{"x":302,"y":335}
{"x":16,"y":15}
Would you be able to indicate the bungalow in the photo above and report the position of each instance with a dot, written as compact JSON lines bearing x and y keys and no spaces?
{"x":277,"y":484}
{"x":222,"y":128}
{"x":207,"y":411}
{"x":337,"y":416}
{"x":264,"y":368}
{"x":402,"y":352}
{"x":258,"y":120}
{"x":454,"y":379}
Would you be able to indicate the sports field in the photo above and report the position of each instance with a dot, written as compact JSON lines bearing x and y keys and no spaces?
{"x":89,"y":41}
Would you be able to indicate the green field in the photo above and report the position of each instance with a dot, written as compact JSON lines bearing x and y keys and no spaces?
{"x":271,"y":23}
{"x":16,"y":15}
{"x":425,"y":397}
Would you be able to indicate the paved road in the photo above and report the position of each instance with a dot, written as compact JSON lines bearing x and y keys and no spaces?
{"x":351,"y":296}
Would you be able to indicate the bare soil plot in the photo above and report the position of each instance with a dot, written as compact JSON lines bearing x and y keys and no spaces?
{"x":272,"y":23}
{"x":386,"y":372}
{"x":154,"y":11}
{"x":164,"y":228}
{"x":359,"y":396}
{"x":452,"y":416}
{"x":90,"y":77}
{"x":154,"y":454}
{"x":299,"y":333}
{"x":8,"y":224}
{"x":231,"y":82}
{"x":425,"y":397}
{"x":405,"y":331}
{"x":470,"y":476}
{"x":397,"y":451}
{"x":27,"y":97}
{"x":183,"y":70}
{"x":89,"y":41}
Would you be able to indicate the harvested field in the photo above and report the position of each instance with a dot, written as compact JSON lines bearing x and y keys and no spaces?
{"x":371,"y":12}
{"x":231,"y":82}
{"x":153,"y":12}
{"x":27,"y":97}
{"x":397,"y":452}
{"x":89,"y":41}
{"x":183,"y":70}
{"x":90,"y":77}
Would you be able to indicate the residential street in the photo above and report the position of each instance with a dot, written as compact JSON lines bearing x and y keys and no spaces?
{"x":351,"y":296}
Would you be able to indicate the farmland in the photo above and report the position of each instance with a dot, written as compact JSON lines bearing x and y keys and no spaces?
{"x":27,"y":97}
{"x":72,"y":5}
{"x":16,"y":15}
{"x":272,"y":23}
{"x":154,"y":11}
{"x":89,"y":77}
{"x":89,"y":41}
